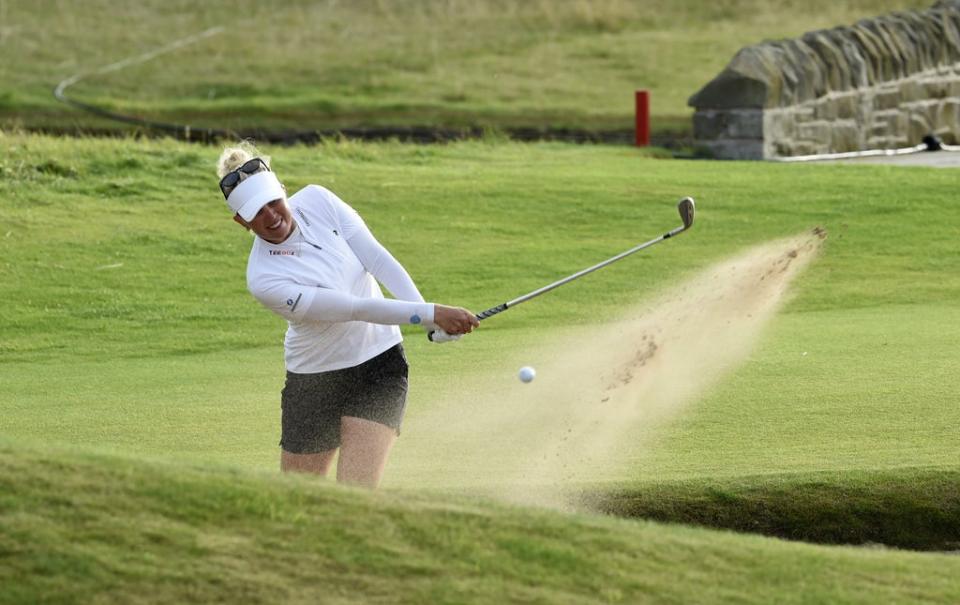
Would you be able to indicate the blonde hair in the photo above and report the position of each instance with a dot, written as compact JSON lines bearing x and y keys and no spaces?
{"x":234,"y":157}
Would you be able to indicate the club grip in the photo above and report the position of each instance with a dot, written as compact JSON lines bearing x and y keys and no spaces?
{"x":441,"y":336}
{"x":492,"y":311}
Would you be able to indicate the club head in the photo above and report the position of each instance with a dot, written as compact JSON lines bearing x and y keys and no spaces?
{"x":687,"y":211}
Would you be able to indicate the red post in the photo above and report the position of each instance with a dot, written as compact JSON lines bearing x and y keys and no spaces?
{"x":643,"y":118}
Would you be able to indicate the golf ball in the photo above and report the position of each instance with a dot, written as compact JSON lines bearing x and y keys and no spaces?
{"x":527,"y":374}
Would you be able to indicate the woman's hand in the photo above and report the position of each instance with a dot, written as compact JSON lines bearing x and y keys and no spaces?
{"x":454,"y":320}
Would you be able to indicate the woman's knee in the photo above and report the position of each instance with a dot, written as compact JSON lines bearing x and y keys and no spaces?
{"x":318,"y":463}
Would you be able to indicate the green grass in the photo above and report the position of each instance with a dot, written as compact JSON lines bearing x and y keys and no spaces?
{"x":307,"y":65}
{"x":87,"y":529}
{"x":119,"y":259}
{"x":914,"y":508}
{"x":872,"y":391}
{"x":126,"y":330}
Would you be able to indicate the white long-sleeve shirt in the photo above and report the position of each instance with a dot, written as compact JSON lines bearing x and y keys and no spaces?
{"x":323,"y":280}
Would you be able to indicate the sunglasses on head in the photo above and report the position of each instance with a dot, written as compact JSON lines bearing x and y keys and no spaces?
{"x":233,"y":178}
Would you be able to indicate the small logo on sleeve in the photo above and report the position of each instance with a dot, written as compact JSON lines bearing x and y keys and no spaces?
{"x":304,"y":217}
{"x":415,"y":319}
{"x":293,"y":303}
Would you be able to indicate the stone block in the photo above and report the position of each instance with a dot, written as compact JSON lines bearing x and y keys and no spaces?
{"x":880,"y":142}
{"x":803,"y":113}
{"x":948,"y":136}
{"x":709,"y":123}
{"x":858,"y":68}
{"x":911,"y":90}
{"x":730,"y":149}
{"x":928,"y":108}
{"x":848,"y":106}
{"x":753,"y":78}
{"x":809,"y":71}
{"x":879,"y":122}
{"x":728,"y":124}
{"x":895,"y":63}
{"x":899,"y":125}
{"x":779,"y":124}
{"x":900,"y":38}
{"x":814,"y":131}
{"x":825,"y":109}
{"x":953,"y":87}
{"x":891,"y":121}
{"x":882,"y":57}
{"x":950,"y":19}
{"x":779,"y":148}
{"x":938,"y":73}
{"x":845,"y":135}
{"x":795,"y":148}
{"x":886,"y":98}
{"x":871,"y":47}
{"x":837,"y":74}
{"x":948,"y":115}
{"x":915,"y":106}
{"x":901,"y":141}
{"x":935,"y":88}
{"x":917,"y":127}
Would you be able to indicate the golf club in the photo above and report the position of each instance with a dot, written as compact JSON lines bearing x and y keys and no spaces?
{"x":685,"y":207}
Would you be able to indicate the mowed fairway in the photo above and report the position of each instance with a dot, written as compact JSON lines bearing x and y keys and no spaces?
{"x":126,"y":329}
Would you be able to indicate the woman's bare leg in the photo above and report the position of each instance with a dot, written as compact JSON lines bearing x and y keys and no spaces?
{"x":364,"y":447}
{"x":307,"y":463}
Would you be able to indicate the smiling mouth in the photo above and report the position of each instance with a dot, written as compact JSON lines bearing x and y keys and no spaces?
{"x":276,"y":225}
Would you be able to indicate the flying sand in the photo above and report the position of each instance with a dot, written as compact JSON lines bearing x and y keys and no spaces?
{"x":601,"y":391}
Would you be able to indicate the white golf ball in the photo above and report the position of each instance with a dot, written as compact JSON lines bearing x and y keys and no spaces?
{"x":527,"y":374}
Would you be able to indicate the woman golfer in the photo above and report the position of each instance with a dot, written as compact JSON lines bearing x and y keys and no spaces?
{"x":315,"y":263}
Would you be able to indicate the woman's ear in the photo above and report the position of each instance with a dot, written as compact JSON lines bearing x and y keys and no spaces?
{"x":241,"y":222}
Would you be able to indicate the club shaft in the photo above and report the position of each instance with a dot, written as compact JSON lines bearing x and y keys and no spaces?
{"x":520,"y":299}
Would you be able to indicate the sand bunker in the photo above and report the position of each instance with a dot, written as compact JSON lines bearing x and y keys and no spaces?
{"x":600,"y":393}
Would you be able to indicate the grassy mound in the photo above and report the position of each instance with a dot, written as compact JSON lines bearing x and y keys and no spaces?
{"x":79,"y":528}
{"x":905,"y":508}
{"x":306,"y":65}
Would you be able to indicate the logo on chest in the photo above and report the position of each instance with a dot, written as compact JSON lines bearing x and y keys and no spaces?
{"x":282,"y":252}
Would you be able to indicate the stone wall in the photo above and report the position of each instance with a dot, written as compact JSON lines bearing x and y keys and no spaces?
{"x":879,"y":84}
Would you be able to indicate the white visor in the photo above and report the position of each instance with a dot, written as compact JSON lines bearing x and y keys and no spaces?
{"x":254,"y":193}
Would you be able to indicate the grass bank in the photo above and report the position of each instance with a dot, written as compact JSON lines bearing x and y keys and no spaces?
{"x":913,"y":508}
{"x":81,"y":528}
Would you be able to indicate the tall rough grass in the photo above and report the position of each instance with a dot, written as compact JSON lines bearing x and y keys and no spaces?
{"x":307,"y":65}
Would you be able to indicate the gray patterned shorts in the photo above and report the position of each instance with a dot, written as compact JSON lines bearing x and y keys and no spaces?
{"x":312,"y":404}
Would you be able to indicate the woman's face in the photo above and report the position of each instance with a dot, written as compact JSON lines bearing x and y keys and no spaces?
{"x":273,"y":223}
